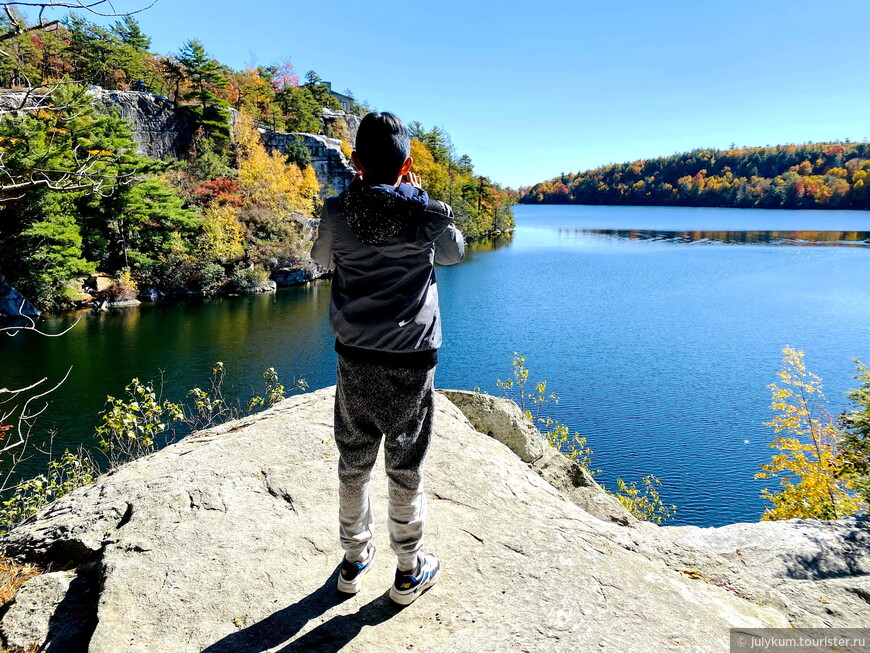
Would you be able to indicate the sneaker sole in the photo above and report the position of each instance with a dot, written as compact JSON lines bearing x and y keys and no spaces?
{"x":407,"y":598}
{"x":354,"y":586}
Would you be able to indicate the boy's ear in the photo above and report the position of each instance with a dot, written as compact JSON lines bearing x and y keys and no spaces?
{"x":406,"y":166}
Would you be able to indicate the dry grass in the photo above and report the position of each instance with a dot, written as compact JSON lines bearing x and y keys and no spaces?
{"x":12,"y":576}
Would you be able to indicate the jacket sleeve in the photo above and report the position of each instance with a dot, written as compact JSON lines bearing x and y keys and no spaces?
{"x":450,"y":245}
{"x":321,"y":251}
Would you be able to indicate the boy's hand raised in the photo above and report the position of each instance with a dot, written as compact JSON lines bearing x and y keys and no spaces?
{"x":414,"y":179}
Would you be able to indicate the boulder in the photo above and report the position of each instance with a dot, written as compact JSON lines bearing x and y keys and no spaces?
{"x":123,"y":302}
{"x":99,"y":282}
{"x":55,"y":610}
{"x":13,"y":303}
{"x":227,"y":541}
{"x":150,"y":295}
{"x":821,"y":567}
{"x":298,"y":273}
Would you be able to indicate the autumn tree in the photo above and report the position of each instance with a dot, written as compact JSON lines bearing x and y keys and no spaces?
{"x":809,"y":464}
{"x":828,"y":175}
{"x":275,"y":195}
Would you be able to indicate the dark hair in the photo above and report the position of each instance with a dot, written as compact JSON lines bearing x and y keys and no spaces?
{"x":383,"y":142}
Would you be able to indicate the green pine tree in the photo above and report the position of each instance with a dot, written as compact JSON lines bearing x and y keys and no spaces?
{"x":205,"y":75}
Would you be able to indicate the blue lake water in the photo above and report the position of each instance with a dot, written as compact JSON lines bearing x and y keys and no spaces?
{"x":660,"y":329}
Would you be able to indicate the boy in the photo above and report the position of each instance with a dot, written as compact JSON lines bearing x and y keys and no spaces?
{"x":382,"y":237}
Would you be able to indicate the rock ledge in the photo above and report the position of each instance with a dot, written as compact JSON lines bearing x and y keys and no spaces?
{"x":227,"y":542}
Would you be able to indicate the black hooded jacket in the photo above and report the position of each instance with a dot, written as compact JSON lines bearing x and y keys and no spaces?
{"x":382,"y":242}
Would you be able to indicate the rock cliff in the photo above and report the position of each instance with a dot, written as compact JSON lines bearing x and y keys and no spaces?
{"x":164,"y":131}
{"x":227,"y":542}
{"x":333,"y":170}
{"x":161,"y":130}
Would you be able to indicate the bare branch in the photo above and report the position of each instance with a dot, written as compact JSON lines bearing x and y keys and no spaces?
{"x":93,"y":7}
{"x":14,"y":330}
{"x":24,"y":30}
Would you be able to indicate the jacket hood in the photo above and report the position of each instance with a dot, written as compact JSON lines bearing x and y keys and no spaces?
{"x":376,"y":213}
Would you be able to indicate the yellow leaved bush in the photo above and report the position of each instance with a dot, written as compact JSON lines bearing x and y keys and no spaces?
{"x":809,"y":464}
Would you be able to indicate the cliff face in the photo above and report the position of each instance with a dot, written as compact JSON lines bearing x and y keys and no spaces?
{"x":160,"y":130}
{"x":163,"y":131}
{"x":333,"y":170}
{"x":227,"y":541}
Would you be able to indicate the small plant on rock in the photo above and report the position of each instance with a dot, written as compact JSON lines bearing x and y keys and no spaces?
{"x":70,"y":471}
{"x":129,"y":426}
{"x":273,"y":391}
{"x":571,"y":444}
{"x":644,"y":502}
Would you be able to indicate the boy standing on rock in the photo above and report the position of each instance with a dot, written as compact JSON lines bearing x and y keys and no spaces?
{"x":382,"y":237}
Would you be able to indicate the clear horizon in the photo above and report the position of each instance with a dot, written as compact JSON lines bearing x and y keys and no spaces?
{"x":529,"y":94}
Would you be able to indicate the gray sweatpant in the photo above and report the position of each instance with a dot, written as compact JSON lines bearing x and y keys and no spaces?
{"x":374,"y":401}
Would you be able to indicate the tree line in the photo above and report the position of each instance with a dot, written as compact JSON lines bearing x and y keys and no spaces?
{"x":481,"y":206}
{"x":814,"y":175}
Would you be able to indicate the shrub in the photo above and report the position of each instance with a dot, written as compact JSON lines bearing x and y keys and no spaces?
{"x":572,"y":445}
{"x":207,"y":277}
{"x":645,"y":504}
{"x":129,"y":426}
{"x":810,"y":466}
{"x":856,"y":428}
{"x":248,"y":279}
{"x":124,"y":288}
{"x":338,"y":130}
{"x":71,"y":471}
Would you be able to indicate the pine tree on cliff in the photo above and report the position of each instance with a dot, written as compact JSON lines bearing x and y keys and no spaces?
{"x":205,"y":75}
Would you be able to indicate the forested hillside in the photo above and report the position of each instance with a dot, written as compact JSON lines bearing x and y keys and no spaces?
{"x":75,"y":197}
{"x":815,"y":175}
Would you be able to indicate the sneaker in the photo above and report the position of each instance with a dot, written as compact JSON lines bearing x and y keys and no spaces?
{"x":350,"y":574}
{"x":409,"y":586}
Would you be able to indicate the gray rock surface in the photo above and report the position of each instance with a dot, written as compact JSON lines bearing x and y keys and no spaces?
{"x":56,"y":609}
{"x":822,"y":566}
{"x":300,"y":272}
{"x":161,"y":130}
{"x":227,"y":541}
{"x":503,"y":420}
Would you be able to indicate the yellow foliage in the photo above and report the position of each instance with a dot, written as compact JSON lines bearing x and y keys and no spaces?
{"x":267,"y":179}
{"x":222,"y":237}
{"x":809,"y":467}
{"x":346,"y":149}
{"x":434,"y":176}
{"x":126,"y":280}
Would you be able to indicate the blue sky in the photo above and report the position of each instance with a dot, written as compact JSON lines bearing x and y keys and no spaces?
{"x":530,"y":90}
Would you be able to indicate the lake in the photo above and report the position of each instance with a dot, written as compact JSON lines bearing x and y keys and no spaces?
{"x":659,"y":328}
